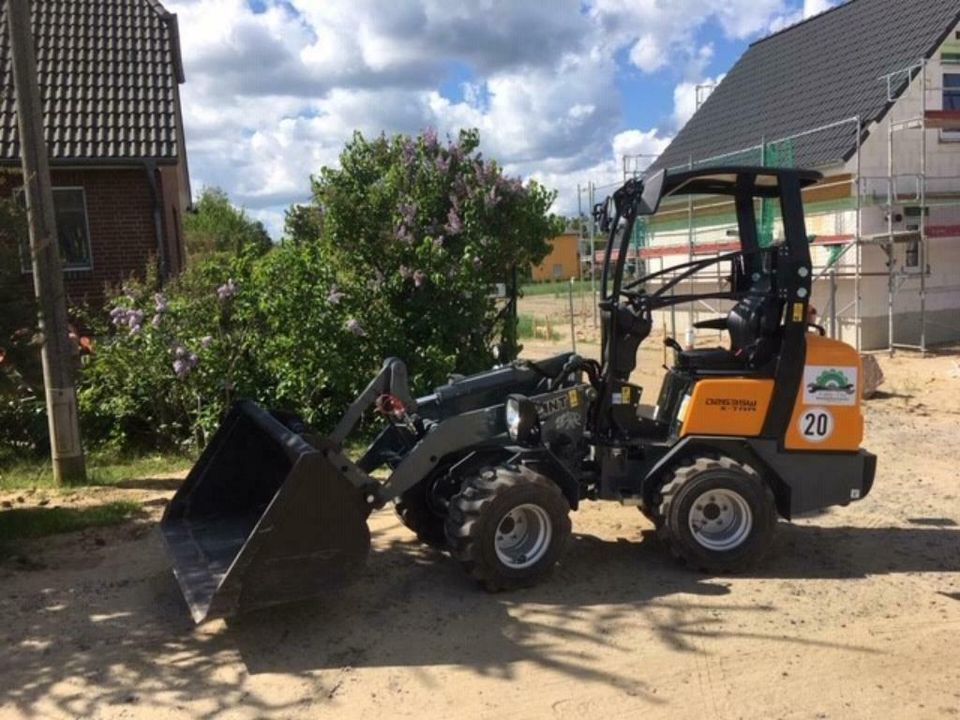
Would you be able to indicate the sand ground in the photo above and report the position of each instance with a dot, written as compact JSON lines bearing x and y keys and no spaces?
{"x":854,"y":614}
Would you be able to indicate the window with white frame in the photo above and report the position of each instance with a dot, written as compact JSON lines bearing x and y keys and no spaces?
{"x":951,"y":91}
{"x":951,"y":101}
{"x":70,"y":207}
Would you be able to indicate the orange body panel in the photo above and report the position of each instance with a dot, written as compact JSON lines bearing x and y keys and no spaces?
{"x":826,"y":415}
{"x":735,"y":406}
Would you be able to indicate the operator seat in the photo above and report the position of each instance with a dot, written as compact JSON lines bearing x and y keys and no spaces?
{"x":754,"y":328}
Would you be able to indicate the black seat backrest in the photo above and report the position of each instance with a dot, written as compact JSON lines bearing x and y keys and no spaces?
{"x":754,"y":322}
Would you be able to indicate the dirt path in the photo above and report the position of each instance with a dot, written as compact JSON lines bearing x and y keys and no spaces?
{"x":855,"y":614}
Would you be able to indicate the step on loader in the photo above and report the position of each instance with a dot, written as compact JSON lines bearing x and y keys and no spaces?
{"x":489,"y":466}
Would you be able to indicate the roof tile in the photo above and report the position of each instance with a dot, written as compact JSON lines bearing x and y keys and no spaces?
{"x":106,"y":70}
{"x":821,"y":71}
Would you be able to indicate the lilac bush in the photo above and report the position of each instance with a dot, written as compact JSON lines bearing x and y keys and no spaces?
{"x":415,"y":234}
{"x":441,"y":225}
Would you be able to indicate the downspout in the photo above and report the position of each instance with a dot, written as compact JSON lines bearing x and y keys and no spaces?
{"x":150,"y":166}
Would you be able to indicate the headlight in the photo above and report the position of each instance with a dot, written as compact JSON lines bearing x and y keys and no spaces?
{"x":513,"y":417}
{"x":521,"y":416}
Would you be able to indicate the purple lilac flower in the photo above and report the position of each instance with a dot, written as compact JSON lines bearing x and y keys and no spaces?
{"x":227,"y":290}
{"x":181,"y":369}
{"x":408,"y":152}
{"x":184,"y":361}
{"x":353,"y":326}
{"x":419,"y":278}
{"x":121,"y":316}
{"x":454,"y":224}
{"x":334,"y":296}
{"x":442,"y":164}
{"x":430,"y":137}
{"x":408,"y":211}
{"x":156,"y":320}
{"x":403,"y":234}
{"x":135,"y":329}
{"x":160,"y":302}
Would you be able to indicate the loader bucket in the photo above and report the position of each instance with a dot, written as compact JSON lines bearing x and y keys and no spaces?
{"x":263,"y":518}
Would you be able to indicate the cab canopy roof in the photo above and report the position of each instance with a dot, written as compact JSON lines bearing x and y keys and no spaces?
{"x":735,"y":180}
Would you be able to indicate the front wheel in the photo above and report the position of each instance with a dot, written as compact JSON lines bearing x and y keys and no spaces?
{"x":414,"y":510}
{"x":508,"y":526}
{"x":717,"y":515}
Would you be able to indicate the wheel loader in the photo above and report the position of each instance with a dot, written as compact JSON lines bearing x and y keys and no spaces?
{"x":489,"y":466}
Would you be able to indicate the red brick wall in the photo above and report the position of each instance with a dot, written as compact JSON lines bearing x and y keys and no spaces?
{"x":120,"y":217}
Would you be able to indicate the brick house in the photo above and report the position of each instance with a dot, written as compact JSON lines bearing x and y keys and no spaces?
{"x":109,"y":76}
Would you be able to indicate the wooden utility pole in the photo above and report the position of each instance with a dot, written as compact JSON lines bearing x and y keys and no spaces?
{"x":56,"y":352}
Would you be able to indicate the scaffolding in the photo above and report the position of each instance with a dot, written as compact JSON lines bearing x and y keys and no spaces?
{"x":899,"y":193}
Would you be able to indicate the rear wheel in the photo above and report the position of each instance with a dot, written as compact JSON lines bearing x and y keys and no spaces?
{"x":508,"y":526}
{"x":717,"y":515}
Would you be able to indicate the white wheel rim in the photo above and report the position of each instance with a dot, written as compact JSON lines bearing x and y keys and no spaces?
{"x":523,"y":536}
{"x":720,"y":520}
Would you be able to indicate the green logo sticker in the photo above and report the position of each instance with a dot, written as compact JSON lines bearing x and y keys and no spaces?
{"x":827,"y":385}
{"x":832,"y":380}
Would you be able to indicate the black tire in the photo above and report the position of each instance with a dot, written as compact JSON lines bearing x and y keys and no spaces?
{"x":653,"y":515}
{"x":722,"y":491}
{"x":496,"y":502}
{"x":415,"y":513}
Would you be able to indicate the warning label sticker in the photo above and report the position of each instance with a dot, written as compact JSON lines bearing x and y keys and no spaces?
{"x":828,"y":385}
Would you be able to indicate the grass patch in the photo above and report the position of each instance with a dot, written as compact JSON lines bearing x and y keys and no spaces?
{"x":102,"y":469}
{"x":525,"y":328}
{"x":34,"y":522}
{"x":558,"y":289}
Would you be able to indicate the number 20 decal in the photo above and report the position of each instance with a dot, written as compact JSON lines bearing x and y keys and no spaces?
{"x":816,"y":425}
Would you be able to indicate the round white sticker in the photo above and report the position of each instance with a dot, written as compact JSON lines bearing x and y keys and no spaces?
{"x":816,"y":424}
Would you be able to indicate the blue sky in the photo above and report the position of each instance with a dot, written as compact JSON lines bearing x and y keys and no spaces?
{"x":560,"y":90}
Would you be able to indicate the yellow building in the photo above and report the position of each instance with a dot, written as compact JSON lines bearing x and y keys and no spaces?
{"x":562,"y":262}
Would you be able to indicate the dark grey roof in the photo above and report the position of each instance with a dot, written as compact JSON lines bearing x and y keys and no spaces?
{"x":818,"y":72}
{"x":108,"y":73}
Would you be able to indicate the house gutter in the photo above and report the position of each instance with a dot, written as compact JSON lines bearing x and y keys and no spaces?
{"x":150,"y":167}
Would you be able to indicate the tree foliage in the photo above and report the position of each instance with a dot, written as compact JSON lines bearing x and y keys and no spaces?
{"x":397,"y":255}
{"x":302,"y":224}
{"x":215,"y":225}
{"x":22,"y":416}
{"x":420,"y":232}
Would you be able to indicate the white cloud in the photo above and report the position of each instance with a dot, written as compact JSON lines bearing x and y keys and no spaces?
{"x":660,"y":33}
{"x":687,"y":96}
{"x":272,"y":96}
{"x":606,"y":172}
{"x":808,"y":10}
{"x":815,"y":7}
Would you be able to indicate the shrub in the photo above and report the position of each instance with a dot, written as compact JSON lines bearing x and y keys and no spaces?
{"x":420,"y":231}
{"x":414,"y":234}
{"x":165,"y":364}
{"x":23,"y":422}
